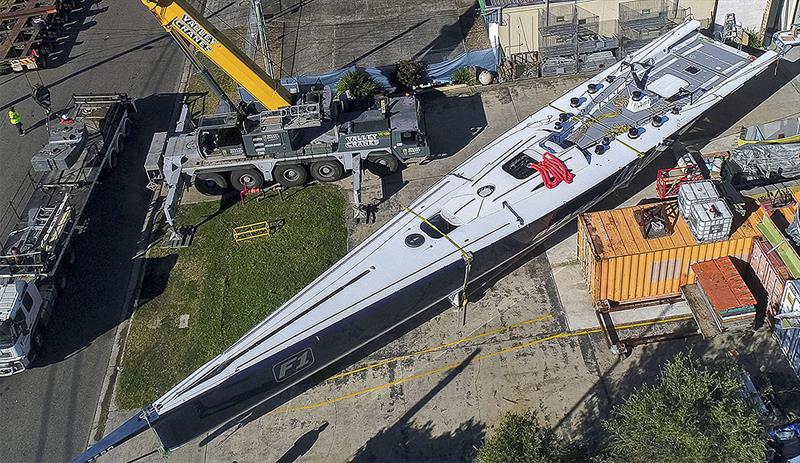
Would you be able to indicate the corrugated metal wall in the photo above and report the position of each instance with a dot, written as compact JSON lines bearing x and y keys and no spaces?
{"x":649,"y":275}
{"x":771,"y":272}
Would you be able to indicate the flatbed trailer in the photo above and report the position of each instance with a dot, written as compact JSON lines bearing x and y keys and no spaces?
{"x":28,"y":31}
{"x":37,"y":252}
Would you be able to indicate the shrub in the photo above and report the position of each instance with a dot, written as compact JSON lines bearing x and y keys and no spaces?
{"x":465,"y":75}
{"x":695,"y":414}
{"x":753,"y":38}
{"x":519,"y":439}
{"x":408,"y":73}
{"x":358,"y":83}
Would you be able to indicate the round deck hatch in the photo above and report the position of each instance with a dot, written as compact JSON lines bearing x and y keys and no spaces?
{"x":485,"y":190}
{"x":415,"y":240}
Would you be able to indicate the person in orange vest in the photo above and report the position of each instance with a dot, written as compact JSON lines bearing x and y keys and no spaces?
{"x":16,"y":120}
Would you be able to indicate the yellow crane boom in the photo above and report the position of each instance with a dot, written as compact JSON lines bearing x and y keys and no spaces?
{"x":179,"y":17}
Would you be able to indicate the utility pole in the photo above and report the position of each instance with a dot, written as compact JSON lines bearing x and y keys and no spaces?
{"x":263,"y":37}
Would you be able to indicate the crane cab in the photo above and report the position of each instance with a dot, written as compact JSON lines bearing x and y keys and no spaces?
{"x":220,"y":135}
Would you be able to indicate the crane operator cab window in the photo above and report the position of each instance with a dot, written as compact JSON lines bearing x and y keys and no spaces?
{"x":221,"y":141}
{"x":412,"y":138}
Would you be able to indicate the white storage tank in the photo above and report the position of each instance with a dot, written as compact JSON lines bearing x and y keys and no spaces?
{"x":695,"y":193}
{"x":710,"y":220}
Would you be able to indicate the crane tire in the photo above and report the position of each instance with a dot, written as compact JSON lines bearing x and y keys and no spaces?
{"x":210,"y":184}
{"x":383,"y":164}
{"x":329,"y":170}
{"x":289,"y":175}
{"x":249,"y":177}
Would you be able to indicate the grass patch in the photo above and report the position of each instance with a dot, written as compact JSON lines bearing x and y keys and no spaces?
{"x":226,"y":288}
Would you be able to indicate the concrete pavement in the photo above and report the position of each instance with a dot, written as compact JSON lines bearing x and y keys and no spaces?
{"x":113,"y":46}
{"x":319,"y":36}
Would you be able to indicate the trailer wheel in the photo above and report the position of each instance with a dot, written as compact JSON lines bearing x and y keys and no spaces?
{"x":211,"y":184}
{"x":327,"y":171}
{"x":290,"y":175}
{"x":121,"y":143}
{"x":383,"y":164}
{"x":127,"y":128}
{"x":246,"y":178}
{"x":61,"y":281}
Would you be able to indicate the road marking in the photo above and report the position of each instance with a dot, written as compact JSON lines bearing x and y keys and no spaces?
{"x":479,"y":358}
{"x":440,"y":347}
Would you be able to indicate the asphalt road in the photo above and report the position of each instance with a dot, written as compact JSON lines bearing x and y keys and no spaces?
{"x":115,"y":45}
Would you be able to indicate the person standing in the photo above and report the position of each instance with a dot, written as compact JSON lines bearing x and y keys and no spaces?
{"x":16,"y":120}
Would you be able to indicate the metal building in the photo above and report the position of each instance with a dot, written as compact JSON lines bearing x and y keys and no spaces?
{"x":569,"y":35}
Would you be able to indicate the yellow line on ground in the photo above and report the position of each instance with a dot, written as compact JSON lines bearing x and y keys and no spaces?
{"x":440,"y":347}
{"x":452,"y":366}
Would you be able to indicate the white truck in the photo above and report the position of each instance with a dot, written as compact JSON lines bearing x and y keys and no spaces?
{"x":37,"y":252}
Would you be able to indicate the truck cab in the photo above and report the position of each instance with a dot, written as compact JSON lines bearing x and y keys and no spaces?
{"x":408,"y":128}
{"x":23,"y":315}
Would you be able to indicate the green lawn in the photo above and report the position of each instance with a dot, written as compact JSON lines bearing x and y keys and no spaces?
{"x":224,"y":287}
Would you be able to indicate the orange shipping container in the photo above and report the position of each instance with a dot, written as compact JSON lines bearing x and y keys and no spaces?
{"x":622,"y":266}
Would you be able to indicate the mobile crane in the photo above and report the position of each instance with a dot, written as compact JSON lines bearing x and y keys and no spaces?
{"x":297,"y":136}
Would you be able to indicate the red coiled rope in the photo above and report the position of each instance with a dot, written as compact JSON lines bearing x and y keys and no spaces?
{"x":552,"y":170}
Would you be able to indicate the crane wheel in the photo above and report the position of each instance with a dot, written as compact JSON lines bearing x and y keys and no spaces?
{"x":246,"y":178}
{"x":210,"y":184}
{"x":327,"y":171}
{"x":383,"y":164}
{"x":289,"y":175}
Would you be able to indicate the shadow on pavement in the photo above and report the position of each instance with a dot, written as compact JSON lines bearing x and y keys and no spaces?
{"x":452,"y":121}
{"x":403,"y":441}
{"x":302,"y":445}
{"x":77,"y":24}
{"x":97,"y":295}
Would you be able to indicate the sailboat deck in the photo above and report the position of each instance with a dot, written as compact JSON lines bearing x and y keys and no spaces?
{"x":686,"y":73}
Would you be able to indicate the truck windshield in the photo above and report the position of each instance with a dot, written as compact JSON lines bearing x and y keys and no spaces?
{"x":7,"y":337}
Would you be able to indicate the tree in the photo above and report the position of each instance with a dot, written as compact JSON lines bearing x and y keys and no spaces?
{"x":408,"y":73}
{"x":519,"y":439}
{"x":693,"y":415}
{"x":359,"y":84}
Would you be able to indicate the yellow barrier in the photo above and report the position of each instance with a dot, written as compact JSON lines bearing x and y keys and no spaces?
{"x":254,"y":230}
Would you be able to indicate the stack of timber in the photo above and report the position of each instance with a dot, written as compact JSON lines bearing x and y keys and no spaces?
{"x":621,"y":265}
{"x":727,"y":298}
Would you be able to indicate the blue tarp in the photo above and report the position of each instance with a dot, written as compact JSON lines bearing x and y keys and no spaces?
{"x":439,"y":73}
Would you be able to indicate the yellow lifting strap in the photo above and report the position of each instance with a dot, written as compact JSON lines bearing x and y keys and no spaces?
{"x":464,"y":254}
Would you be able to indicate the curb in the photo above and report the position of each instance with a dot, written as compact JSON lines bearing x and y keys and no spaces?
{"x":107,"y":390}
{"x":121,"y":333}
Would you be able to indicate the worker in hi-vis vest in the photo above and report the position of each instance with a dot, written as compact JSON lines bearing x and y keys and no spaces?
{"x":16,"y":120}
